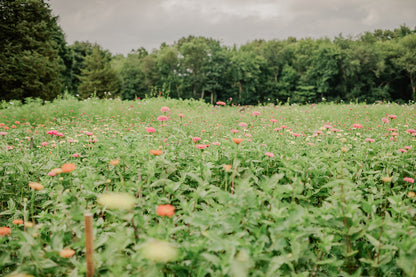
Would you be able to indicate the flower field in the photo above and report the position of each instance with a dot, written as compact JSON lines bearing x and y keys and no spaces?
{"x":183,"y":188}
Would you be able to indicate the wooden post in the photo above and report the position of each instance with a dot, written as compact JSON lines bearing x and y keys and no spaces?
{"x":88,"y":244}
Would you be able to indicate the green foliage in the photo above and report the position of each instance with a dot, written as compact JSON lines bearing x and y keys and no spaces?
{"x":98,"y":78}
{"x":34,"y":57}
{"x":329,"y":201}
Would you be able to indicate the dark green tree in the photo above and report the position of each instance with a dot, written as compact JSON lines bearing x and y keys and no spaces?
{"x":33,"y":55}
{"x":98,"y":78}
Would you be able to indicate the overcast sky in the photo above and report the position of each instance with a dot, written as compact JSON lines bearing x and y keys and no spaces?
{"x":123,"y":25}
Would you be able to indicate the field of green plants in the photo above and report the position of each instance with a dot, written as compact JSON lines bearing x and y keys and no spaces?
{"x":183,"y":188}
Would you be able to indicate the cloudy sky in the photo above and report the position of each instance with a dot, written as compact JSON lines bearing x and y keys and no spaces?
{"x":123,"y":25}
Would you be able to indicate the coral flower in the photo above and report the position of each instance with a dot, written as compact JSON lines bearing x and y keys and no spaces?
{"x":17,"y":221}
{"x":115,"y":162}
{"x":273,"y":120}
{"x":411,"y":194}
{"x":181,"y":115}
{"x":35,"y":186}
{"x":237,"y":140}
{"x":66,"y":253}
{"x":357,"y":126}
{"x":220,"y":103}
{"x":392,"y":116}
{"x":201,"y":146}
{"x":409,"y":180}
{"x":227,"y":167}
{"x":156,"y":152}
{"x":269,"y":154}
{"x":196,"y":139}
{"x":164,"y":109}
{"x":165,"y":210}
{"x":162,"y":118}
{"x":150,"y":130}
{"x":5,"y":231}
{"x":68,"y":167}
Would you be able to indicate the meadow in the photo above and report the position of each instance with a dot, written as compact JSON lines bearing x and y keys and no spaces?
{"x":183,"y":188}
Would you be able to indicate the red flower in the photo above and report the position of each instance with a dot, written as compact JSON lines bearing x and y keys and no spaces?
{"x":165,"y":210}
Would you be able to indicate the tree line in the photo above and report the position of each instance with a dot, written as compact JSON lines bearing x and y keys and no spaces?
{"x":37,"y":62}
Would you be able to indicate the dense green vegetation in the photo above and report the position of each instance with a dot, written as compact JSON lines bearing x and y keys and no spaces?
{"x":311,"y":190}
{"x":37,"y":62}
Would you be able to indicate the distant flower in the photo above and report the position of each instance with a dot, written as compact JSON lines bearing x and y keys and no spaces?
{"x":227,"y":167}
{"x":5,"y":231}
{"x":115,"y":162}
{"x":66,"y":253}
{"x":181,"y":115}
{"x":164,"y":109}
{"x":35,"y":186}
{"x":156,"y":152}
{"x":256,"y":113}
{"x":385,"y":120}
{"x":220,"y":103}
{"x":392,"y":116}
{"x":411,"y":194}
{"x":411,"y":131}
{"x":117,"y":200}
{"x":201,"y":146}
{"x":370,"y":140}
{"x":273,"y":120}
{"x":196,"y":139}
{"x":17,"y":221}
{"x":408,"y":147}
{"x":296,"y":134}
{"x":165,"y":210}
{"x":162,"y":118}
{"x":45,"y":143}
{"x":216,"y":143}
{"x":409,"y":180}
{"x":3,"y":133}
{"x":243,"y":124}
{"x":269,"y":154}
{"x":159,"y":251}
{"x":237,"y":140}
{"x":386,"y":179}
{"x":68,"y":167}
{"x":357,"y":126}
{"x":335,"y":130}
{"x":76,"y":155}
{"x":150,"y":130}
{"x":234,"y":131}
{"x":402,"y":150}
{"x":344,"y":149}
{"x":89,"y":133}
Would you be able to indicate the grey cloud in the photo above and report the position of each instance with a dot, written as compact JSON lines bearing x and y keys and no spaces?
{"x":129,"y":24}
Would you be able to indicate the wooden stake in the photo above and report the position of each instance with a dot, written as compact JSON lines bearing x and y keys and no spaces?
{"x":88,"y":244}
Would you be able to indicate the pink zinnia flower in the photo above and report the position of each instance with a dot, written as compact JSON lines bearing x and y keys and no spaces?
{"x":150,"y":130}
{"x":385,"y":120}
{"x":296,"y":135}
{"x":201,"y":146}
{"x":256,"y":113}
{"x":221,"y":103}
{"x":402,"y":150}
{"x":269,"y":154}
{"x":392,"y":116}
{"x":196,"y":139}
{"x":243,"y":124}
{"x":411,"y":131}
{"x":181,"y":115}
{"x":407,"y":147}
{"x":370,"y":140}
{"x":3,"y":133}
{"x":89,"y":133}
{"x":162,"y":118}
{"x":76,"y":155}
{"x":164,"y":109}
{"x":409,"y":180}
{"x":45,"y":143}
{"x":357,"y":126}
{"x":283,"y":127}
{"x":273,"y":120}
{"x":234,"y":131}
